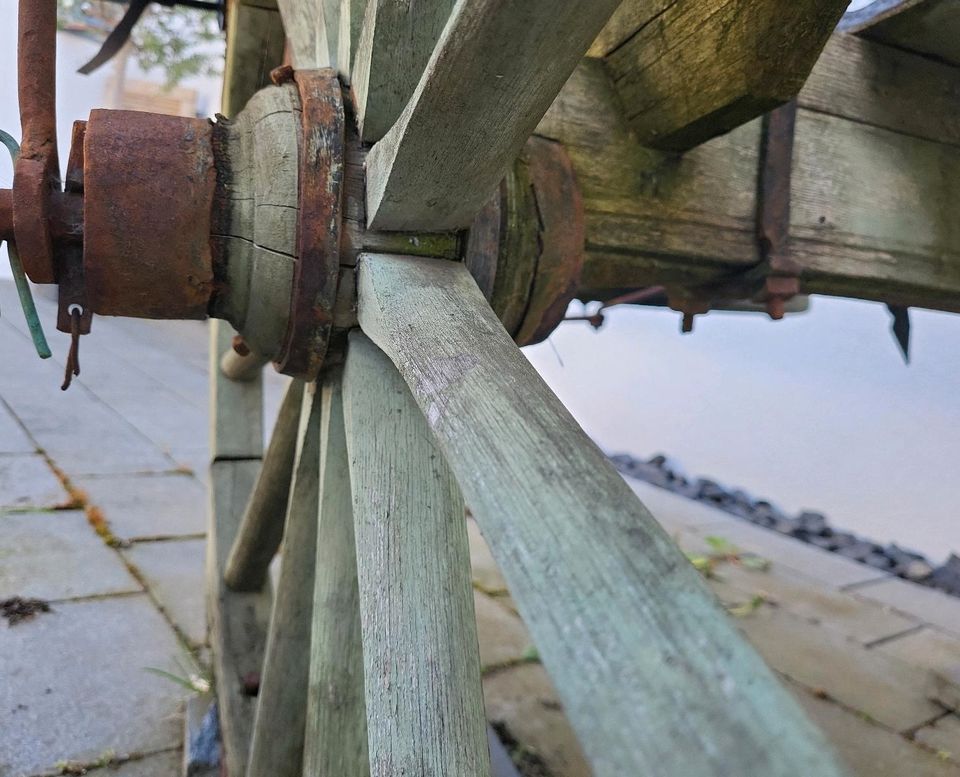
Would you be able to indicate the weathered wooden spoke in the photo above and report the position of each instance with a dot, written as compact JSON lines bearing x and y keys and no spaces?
{"x":350,"y":20}
{"x":493,"y":74}
{"x":336,"y":728}
{"x":237,"y":621}
{"x":306,"y":30}
{"x":262,"y":526}
{"x":642,"y":655}
{"x":276,"y":749}
{"x":396,"y":41}
{"x":422,"y":663}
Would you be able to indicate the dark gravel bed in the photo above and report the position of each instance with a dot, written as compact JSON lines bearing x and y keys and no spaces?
{"x":808,"y":526}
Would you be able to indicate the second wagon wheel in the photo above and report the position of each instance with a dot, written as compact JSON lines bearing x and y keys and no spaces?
{"x":363,"y":167}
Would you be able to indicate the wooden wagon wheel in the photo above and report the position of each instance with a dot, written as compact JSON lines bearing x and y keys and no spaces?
{"x":330,"y":233}
{"x":369,"y":659}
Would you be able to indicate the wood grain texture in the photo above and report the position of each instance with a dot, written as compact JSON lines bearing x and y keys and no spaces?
{"x":871,"y":214}
{"x":928,"y":27}
{"x":306,"y":29}
{"x":351,"y":21}
{"x":692,"y":70}
{"x":421,"y":657}
{"x":261,"y":529}
{"x":237,"y":621}
{"x":639,"y":650}
{"x":396,"y":41}
{"x":335,"y":742}
{"x":885,"y":87}
{"x":232,"y":400}
{"x":254,"y":48}
{"x":494,"y":72}
{"x":276,"y":749}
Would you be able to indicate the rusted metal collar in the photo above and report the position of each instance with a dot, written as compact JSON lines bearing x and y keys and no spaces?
{"x":317,"y":267}
{"x":526,"y":247}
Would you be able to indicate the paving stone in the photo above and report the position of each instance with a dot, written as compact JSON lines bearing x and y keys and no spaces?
{"x":869,"y":750}
{"x":943,"y":736}
{"x":503,"y":636}
{"x":807,"y":560}
{"x":675,"y":512}
{"x":936,"y":608}
{"x":27,"y":482}
{"x":864,"y":621}
{"x":12,"y":437}
{"x":174,"y":573}
{"x":486,"y":573}
{"x":936,"y":652}
{"x":57,"y":556}
{"x":75,"y":685}
{"x":889,"y":691}
{"x":141,"y":506}
{"x":524,"y":700}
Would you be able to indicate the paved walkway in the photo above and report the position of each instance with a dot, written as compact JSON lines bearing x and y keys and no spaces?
{"x":102,"y":514}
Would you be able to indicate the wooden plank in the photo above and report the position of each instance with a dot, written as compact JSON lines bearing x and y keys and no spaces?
{"x":276,"y":749}
{"x":919,"y":95}
{"x":306,"y":29}
{"x":351,"y":21}
{"x":237,"y":621}
{"x":624,"y":624}
{"x":887,"y":232}
{"x":421,"y":659}
{"x":494,"y":72}
{"x":336,"y":728}
{"x":693,"y":70}
{"x":928,"y":27}
{"x":396,"y":41}
{"x":254,"y":48}
{"x":236,"y":408}
{"x":261,"y":529}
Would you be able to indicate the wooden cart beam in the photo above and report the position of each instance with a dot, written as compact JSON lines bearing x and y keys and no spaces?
{"x":873,"y":185}
{"x":930,"y":27}
{"x":688,"y":71}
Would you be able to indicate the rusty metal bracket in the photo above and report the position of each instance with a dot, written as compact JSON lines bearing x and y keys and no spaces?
{"x":317,"y":268}
{"x":773,"y":208}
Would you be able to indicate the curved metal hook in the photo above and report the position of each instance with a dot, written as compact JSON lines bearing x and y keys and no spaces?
{"x":20,"y":277}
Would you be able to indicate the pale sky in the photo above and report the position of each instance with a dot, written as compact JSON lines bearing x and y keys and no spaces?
{"x":816,"y":411}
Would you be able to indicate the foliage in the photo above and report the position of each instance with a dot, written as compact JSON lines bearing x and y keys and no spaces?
{"x":177,"y":41}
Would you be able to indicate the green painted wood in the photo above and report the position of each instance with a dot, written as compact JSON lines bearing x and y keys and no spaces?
{"x":276,"y":749}
{"x":254,"y":48}
{"x":335,"y":742}
{"x":494,"y":72}
{"x":651,"y":671}
{"x":230,"y":401}
{"x":237,"y":621}
{"x":422,"y":662}
{"x":351,"y":21}
{"x":396,"y":41}
{"x":306,"y":29}
{"x":261,"y":529}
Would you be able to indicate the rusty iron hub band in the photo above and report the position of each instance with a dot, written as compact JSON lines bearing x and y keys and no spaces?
{"x":317,"y":267}
{"x":148,"y":184}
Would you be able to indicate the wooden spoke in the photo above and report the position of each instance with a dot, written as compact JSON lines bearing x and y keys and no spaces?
{"x":306,"y":29}
{"x":237,"y":367}
{"x":492,"y":76}
{"x":651,"y":671}
{"x":254,"y":48}
{"x":262,"y":527}
{"x":276,"y":749}
{"x":335,"y":742}
{"x":350,"y":20}
{"x":422,"y":664}
{"x":396,"y":41}
{"x":237,"y":621}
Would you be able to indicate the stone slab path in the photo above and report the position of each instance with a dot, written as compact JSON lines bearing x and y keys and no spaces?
{"x":102,"y":514}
